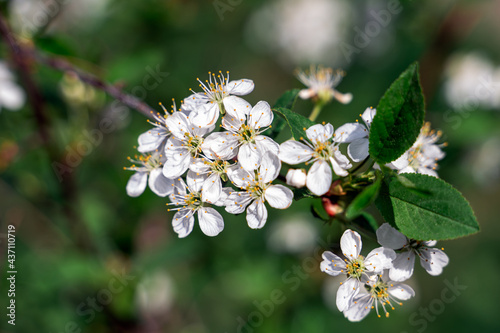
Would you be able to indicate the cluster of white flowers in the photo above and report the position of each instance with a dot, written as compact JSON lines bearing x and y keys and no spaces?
{"x":202,"y":170}
{"x":182,"y":157}
{"x":376,"y":280}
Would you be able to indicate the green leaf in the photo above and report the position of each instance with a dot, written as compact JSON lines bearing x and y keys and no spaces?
{"x":297,"y":123}
{"x":287,"y":100}
{"x":364,"y":199}
{"x":441,"y":213}
{"x":301,"y":193}
{"x":400,"y":115}
{"x":365,"y":222}
{"x":317,"y":213}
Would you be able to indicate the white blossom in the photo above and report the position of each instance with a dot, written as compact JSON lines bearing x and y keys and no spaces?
{"x":357,"y":135}
{"x":321,"y":83}
{"x":12,"y":97}
{"x":148,"y":166}
{"x":422,"y":157}
{"x":432,"y":260}
{"x":321,"y":152}
{"x":296,"y":178}
{"x":243,"y":137}
{"x":378,"y":291}
{"x":257,"y":190}
{"x":190,"y":200}
{"x":219,"y":97}
{"x":355,"y":267}
{"x":184,"y":146}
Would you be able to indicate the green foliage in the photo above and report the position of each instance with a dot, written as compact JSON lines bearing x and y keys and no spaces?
{"x":287,"y":100}
{"x":363,"y":199}
{"x":297,"y":123}
{"x":400,"y":115}
{"x":443,"y":213}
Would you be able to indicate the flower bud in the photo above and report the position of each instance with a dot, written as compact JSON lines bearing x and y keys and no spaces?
{"x":296,"y":178}
{"x":331,"y":209}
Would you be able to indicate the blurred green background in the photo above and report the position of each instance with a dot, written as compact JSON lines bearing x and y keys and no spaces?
{"x":91,"y":259}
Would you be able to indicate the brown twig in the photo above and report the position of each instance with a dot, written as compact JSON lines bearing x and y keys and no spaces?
{"x":115,"y":92}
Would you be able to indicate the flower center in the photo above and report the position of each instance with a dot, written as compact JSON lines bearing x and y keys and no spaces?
{"x":356,"y":267}
{"x":193,"y":144}
{"x":215,"y":87}
{"x":246,"y":134}
{"x":218,"y":166}
{"x":193,"y":200}
{"x":323,"y":150}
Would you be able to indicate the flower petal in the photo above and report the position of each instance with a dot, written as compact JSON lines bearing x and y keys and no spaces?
{"x":350,"y":244}
{"x":210,"y":220}
{"x":223,"y":144}
{"x":183,"y":222}
{"x":350,"y":132}
{"x":260,"y":116}
{"x":152,"y":139}
{"x":278,"y":196}
{"x":212,"y":189}
{"x":205,"y":115}
{"x":137,"y":184}
{"x":236,"y":107}
{"x":346,"y":292}
{"x":319,"y":177}
{"x":240,"y":87}
{"x":368,"y":116}
{"x":318,"y":132}
{"x":401,"y":291}
{"x":360,"y":307}
{"x":332,"y":264}
{"x":433,"y":260}
{"x":270,"y":167}
{"x":173,"y":168}
{"x":159,"y":184}
{"x":11,"y":96}
{"x":265,"y":144}
{"x":379,"y":259}
{"x":195,"y":181}
{"x":294,"y":152}
{"x":388,"y":236}
{"x":236,"y":202}
{"x":240,"y":177}
{"x":256,"y":214}
{"x":337,"y":168}
{"x":358,"y":149}
{"x":249,"y":157}
{"x":402,"y":266}
{"x":178,"y":124}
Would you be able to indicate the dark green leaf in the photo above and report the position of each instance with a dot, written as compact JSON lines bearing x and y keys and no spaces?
{"x":363,"y":199}
{"x":317,"y":213}
{"x":301,"y":193}
{"x":297,"y":123}
{"x":287,"y":100}
{"x":400,"y":115}
{"x":443,"y":213}
{"x":365,"y":223}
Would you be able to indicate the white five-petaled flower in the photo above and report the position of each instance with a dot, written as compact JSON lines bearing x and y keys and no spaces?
{"x":357,"y":135}
{"x":148,"y":165}
{"x":11,"y":95}
{"x":219,"y":97}
{"x":190,"y":200}
{"x":321,"y":152}
{"x":432,"y":260}
{"x":257,"y":190}
{"x":243,"y":136}
{"x":379,"y":290}
{"x":356,"y":268}
{"x":184,"y":146}
{"x":321,"y":83}
{"x":422,"y":157}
